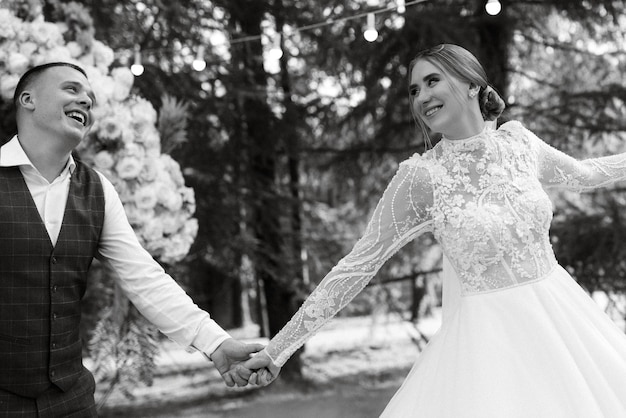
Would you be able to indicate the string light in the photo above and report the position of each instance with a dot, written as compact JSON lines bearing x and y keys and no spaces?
{"x":493,"y":7}
{"x":276,"y":52}
{"x":137,"y":67}
{"x":371,"y":34}
{"x":393,"y":6}
{"x":199,"y":63}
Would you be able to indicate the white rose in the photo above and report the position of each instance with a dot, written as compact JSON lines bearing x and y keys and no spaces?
{"x":152,"y":230}
{"x":150,"y":140}
{"x":87,"y":61}
{"x":128,"y":167}
{"x":146,"y":214}
{"x":150,"y":170}
{"x":124,"y":80}
{"x":75,"y":49}
{"x":190,"y":230}
{"x":102,"y":84}
{"x":173,"y":169}
{"x":134,"y":150}
{"x":8,"y":82}
{"x":123,"y":75}
{"x":175,"y":249}
{"x":7,"y":24}
{"x":155,"y":247}
{"x":109,"y":128}
{"x":103,"y":56}
{"x":153,"y":152}
{"x":103,"y":160}
{"x":143,"y":112}
{"x":146,"y":198}
{"x":45,"y":33}
{"x":170,"y":199}
{"x":171,"y":223}
{"x":58,"y":53}
{"x":28,"y":48}
{"x":18,"y":63}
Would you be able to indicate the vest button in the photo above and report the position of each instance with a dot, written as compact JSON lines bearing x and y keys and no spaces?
{"x":54,"y":260}
{"x":55,"y":288}
{"x":54,"y":345}
{"x":52,"y":373}
{"x":54,"y":315}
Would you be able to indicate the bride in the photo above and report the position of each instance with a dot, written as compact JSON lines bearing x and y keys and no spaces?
{"x":519,"y":337}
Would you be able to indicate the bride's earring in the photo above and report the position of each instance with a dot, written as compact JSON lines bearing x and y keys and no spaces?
{"x":473,"y":93}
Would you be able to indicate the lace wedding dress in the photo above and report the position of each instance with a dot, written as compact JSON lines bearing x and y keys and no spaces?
{"x":519,"y":337}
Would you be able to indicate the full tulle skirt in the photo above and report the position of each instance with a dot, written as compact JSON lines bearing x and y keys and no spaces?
{"x":538,"y":350}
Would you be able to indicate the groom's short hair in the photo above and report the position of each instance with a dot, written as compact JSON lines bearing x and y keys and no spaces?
{"x":31,"y":75}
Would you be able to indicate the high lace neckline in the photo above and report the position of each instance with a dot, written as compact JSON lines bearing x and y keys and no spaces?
{"x":471,"y":143}
{"x":467,"y":139}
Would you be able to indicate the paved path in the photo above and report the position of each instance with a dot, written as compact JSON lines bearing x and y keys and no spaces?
{"x":367,"y":403}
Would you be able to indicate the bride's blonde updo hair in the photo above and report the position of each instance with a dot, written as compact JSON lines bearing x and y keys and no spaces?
{"x":460,"y":63}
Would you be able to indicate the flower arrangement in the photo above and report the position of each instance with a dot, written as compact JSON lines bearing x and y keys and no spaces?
{"x":124,"y":143}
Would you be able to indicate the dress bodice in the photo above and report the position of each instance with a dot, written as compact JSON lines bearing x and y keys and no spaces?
{"x":482,"y":198}
{"x":490,"y":212}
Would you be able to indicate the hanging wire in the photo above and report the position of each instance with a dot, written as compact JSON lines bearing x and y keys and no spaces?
{"x":396,"y":5}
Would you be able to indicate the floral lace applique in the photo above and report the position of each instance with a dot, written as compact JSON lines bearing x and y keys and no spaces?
{"x":490,"y":213}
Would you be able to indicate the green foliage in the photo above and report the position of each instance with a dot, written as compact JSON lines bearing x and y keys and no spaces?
{"x":172,"y":123}
{"x":123,"y":344}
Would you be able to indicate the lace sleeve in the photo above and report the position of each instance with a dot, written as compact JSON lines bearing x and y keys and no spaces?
{"x":556,"y":168}
{"x":401,"y":214}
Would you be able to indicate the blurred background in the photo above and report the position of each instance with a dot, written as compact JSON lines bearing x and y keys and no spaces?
{"x":250,"y":140}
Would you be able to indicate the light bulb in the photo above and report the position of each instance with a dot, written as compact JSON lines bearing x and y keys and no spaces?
{"x":371,"y":34}
{"x":137,"y":68}
{"x":199,"y":63}
{"x":275,"y":52}
{"x":493,"y":7}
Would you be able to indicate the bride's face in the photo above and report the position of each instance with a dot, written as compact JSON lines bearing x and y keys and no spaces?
{"x":437,"y":98}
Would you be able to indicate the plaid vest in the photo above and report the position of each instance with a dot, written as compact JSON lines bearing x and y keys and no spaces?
{"x":41,"y":286}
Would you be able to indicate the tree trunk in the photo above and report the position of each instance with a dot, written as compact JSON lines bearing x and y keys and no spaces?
{"x":271,"y":263}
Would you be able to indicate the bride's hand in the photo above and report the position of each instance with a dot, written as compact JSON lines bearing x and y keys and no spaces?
{"x":264,"y":370}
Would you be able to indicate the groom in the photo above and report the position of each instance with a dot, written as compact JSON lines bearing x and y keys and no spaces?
{"x":56,"y":215}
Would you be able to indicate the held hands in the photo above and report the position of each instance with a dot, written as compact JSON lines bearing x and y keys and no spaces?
{"x":228,"y":356}
{"x":259,"y":370}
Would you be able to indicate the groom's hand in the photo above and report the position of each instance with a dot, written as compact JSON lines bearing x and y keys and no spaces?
{"x":230,"y":353}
